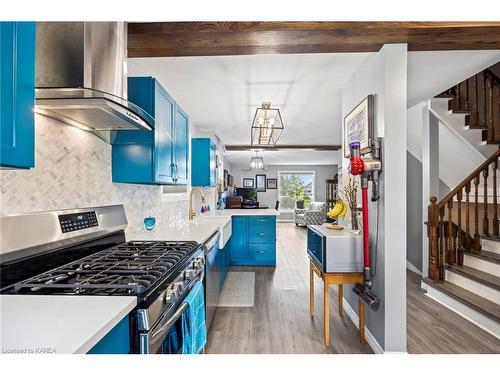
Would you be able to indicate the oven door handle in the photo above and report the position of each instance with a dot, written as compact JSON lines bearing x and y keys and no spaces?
{"x":170,"y":322}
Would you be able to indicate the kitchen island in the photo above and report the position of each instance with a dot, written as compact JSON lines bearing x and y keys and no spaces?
{"x":42,"y":324}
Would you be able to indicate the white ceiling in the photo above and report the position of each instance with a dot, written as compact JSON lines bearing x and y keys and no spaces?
{"x":286,"y":157}
{"x":221,"y":93}
{"x":432,"y":72}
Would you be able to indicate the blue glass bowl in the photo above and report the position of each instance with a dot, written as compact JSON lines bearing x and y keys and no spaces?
{"x":149,"y":223}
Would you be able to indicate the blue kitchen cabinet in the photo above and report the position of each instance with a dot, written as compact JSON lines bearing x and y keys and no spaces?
{"x":253,"y":241}
{"x":17,"y":94}
{"x":181,"y":146}
{"x":239,"y":240}
{"x":204,"y":165}
{"x":153,"y":157}
{"x":116,"y":341}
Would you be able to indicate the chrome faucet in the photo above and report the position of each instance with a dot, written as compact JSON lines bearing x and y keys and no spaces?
{"x":192,"y":213}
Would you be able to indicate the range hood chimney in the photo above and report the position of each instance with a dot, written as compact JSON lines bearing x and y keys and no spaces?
{"x":81,"y":77}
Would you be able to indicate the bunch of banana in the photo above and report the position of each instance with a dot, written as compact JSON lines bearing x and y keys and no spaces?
{"x":339,"y":210}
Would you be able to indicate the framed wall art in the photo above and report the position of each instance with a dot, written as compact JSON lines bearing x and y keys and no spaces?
{"x":260,"y":182}
{"x":248,"y":182}
{"x":272,"y":183}
{"x":358,"y":126}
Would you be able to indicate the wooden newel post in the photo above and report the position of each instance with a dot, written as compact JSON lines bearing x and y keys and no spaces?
{"x":435,"y":267}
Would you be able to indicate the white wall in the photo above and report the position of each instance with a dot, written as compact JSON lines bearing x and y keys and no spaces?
{"x":269,"y":197}
{"x":385,"y":75}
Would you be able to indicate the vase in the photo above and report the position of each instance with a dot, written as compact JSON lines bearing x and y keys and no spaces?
{"x":354,"y":225}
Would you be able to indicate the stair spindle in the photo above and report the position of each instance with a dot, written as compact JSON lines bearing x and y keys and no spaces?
{"x":460,"y":250}
{"x":484,"y":99}
{"x":495,"y":199}
{"x":443,"y":252}
{"x":475,"y":115}
{"x":466,"y":95}
{"x":476,"y":214}
{"x":450,"y":253}
{"x":457,"y":98}
{"x":486,"y":222}
{"x":491,"y":130}
{"x":467,"y":213}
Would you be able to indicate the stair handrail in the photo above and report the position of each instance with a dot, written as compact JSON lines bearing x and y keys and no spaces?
{"x":446,"y":246}
{"x":468,"y":179}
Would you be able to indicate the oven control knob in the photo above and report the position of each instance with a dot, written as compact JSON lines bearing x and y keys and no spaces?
{"x":179,"y":288}
{"x":171,"y":296}
{"x":188,"y":275}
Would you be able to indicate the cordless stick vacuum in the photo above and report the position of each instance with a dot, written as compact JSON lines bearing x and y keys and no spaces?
{"x":369,"y":169}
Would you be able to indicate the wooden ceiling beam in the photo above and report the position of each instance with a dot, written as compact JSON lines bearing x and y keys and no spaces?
{"x":283,"y":148}
{"x":165,"y":39}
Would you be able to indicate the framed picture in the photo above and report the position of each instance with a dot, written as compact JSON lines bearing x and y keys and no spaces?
{"x":226,"y":179}
{"x":272,"y":183}
{"x":260,"y":182}
{"x":230,"y":180}
{"x":358,"y":126}
{"x":248,"y":182}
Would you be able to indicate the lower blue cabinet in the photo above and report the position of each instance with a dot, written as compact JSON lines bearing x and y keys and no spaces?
{"x":253,"y":241}
{"x":117,"y":341}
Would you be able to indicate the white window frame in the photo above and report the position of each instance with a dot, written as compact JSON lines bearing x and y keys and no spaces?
{"x":296,"y":172}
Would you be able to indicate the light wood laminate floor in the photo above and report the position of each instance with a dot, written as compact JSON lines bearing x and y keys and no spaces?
{"x":279,"y":323}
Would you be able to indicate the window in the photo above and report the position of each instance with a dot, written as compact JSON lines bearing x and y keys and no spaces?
{"x":294,"y":187}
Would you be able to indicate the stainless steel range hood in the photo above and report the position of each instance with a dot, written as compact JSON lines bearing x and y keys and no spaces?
{"x":81,"y":77}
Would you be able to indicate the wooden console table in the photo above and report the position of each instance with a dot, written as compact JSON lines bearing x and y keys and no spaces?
{"x":339,"y":279}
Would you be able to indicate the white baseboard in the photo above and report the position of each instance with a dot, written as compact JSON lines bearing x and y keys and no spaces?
{"x":412,"y":268}
{"x":370,"y":339}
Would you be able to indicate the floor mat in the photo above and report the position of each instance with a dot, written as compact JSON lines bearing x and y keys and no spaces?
{"x":238,"y":290}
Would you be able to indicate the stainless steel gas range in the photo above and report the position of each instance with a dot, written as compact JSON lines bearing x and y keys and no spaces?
{"x":84,"y":252}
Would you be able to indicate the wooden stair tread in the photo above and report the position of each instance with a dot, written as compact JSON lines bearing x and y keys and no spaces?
{"x":475,"y":302}
{"x":490,"y":237}
{"x":476,"y":127}
{"x":483,"y":254}
{"x":461,"y":111}
{"x":481,"y":277}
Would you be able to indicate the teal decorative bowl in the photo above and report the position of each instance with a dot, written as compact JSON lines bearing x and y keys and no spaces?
{"x":149,"y":223}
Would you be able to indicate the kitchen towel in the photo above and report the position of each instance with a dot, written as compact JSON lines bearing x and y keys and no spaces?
{"x":193,"y":321}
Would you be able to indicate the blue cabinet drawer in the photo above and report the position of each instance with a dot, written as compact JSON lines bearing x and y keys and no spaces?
{"x":261,"y":234}
{"x":263,"y":254}
{"x":261,"y":220}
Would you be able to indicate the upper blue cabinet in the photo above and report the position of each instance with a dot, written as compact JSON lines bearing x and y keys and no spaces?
{"x":17,"y":94}
{"x":204,"y":166}
{"x":153,"y":157}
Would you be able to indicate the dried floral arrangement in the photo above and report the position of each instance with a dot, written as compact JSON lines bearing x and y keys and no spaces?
{"x":350,"y":192}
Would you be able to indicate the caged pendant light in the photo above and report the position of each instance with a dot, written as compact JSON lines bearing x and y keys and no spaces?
{"x":257,"y":162}
{"x":267,"y":126}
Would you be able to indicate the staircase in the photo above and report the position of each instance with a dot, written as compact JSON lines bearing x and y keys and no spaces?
{"x":464,"y":244}
{"x":478,"y":98}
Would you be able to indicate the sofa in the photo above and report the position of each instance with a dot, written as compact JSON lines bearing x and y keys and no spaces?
{"x":315,"y":214}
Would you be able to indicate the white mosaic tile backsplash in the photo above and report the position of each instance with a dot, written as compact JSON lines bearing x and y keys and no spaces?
{"x":72,"y":170}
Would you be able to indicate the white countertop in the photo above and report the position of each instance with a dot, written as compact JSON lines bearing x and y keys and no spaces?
{"x":60,"y":324}
{"x":322,"y":229}
{"x":199,"y":230}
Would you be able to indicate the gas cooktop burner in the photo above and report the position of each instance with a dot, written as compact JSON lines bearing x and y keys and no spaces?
{"x":131,"y":268}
